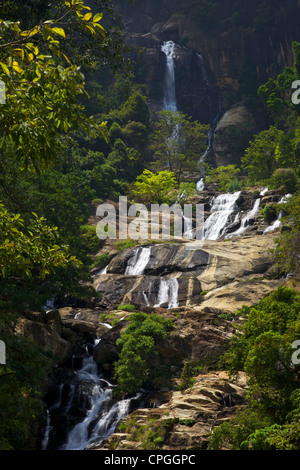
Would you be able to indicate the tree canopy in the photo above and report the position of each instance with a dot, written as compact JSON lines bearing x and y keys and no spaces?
{"x":178,"y":143}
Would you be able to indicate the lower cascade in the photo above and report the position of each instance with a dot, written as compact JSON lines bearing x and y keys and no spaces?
{"x":222,"y":207}
{"x":84,"y":412}
{"x":168,"y":293}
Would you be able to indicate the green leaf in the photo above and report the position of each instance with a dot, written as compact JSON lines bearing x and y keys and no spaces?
{"x":5,"y":68}
{"x":98,"y":17}
{"x":87,"y":17}
{"x":59,"y":31}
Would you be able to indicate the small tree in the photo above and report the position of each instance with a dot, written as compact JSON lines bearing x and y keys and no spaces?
{"x":178,"y":142}
{"x":222,"y":175}
{"x":260,"y":157}
{"x":154,"y":188}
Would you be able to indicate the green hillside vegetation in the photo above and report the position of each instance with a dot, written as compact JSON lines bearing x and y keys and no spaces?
{"x":67,"y":140}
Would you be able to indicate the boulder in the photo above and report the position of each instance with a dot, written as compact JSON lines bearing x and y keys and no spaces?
{"x":47,"y":336}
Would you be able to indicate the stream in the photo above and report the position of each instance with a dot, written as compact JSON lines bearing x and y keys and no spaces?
{"x":82,"y":412}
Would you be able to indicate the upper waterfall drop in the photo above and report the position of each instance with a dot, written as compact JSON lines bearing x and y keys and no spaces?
{"x":169,"y":104}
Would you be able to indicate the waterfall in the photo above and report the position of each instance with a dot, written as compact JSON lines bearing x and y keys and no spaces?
{"x":245,"y":220}
{"x":214,"y":119}
{"x":168,"y":293}
{"x":263,"y":191}
{"x":168,"y":48}
{"x":200,"y":185}
{"x":188,"y":227}
{"x":277,"y":223}
{"x":102,"y":271}
{"x":99,"y":413}
{"x":222,"y":207}
{"x":203,"y":70}
{"x":138,"y":262}
{"x":48,"y":429}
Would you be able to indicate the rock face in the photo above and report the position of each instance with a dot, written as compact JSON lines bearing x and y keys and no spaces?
{"x":219,"y":268}
{"x":232,"y":135}
{"x":192,"y":414}
{"x":196,"y":336}
{"x":48,"y":331}
{"x":224,"y":52}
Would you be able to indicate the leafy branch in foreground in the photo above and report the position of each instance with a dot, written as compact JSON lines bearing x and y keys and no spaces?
{"x":43,"y":87}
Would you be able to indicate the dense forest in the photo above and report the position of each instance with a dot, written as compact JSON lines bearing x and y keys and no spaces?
{"x":76,"y":130}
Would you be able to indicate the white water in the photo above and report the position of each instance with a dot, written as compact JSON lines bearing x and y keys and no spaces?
{"x":168,"y":293}
{"x":200,"y":185}
{"x":277,"y":223}
{"x":47,"y":432}
{"x":245,"y":220}
{"x":170,"y":104}
{"x":137,"y":263}
{"x":222,"y":207}
{"x":102,"y":271}
{"x":263,"y":191}
{"x":101,"y":418}
{"x":188,"y":227}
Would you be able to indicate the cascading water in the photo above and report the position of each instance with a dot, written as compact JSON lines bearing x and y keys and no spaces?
{"x":168,"y":293}
{"x":170,"y":104}
{"x":200,"y":185}
{"x":214,"y":120}
{"x":222,"y":207}
{"x":137,"y":263}
{"x":86,"y":398}
{"x":246,"y":219}
{"x":188,"y":225}
{"x":277,"y":223}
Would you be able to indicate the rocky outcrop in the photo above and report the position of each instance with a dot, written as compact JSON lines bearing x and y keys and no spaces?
{"x":195,"y":336}
{"x":232,"y":135}
{"x":216,"y":265}
{"x":190,"y":415}
{"x":47,"y":330}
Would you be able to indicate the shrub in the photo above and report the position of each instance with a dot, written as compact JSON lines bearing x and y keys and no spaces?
{"x":222,"y":175}
{"x":137,"y":362}
{"x":234,"y":186}
{"x":123,"y":245}
{"x":284,"y":179}
{"x":89,"y":237}
{"x":127,"y":307}
{"x":190,"y":370}
{"x":269,"y":213}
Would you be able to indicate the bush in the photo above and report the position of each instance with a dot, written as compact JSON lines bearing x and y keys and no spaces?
{"x":123,"y":245}
{"x":269,"y":213}
{"x":234,"y":186}
{"x":127,"y":307}
{"x":284,"y":179}
{"x":137,"y":364}
{"x":89,"y":237}
{"x":190,"y":370}
{"x":264,"y":352}
{"x":222,"y":175}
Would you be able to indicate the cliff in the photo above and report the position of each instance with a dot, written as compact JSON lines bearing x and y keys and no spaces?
{"x":224,"y":51}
